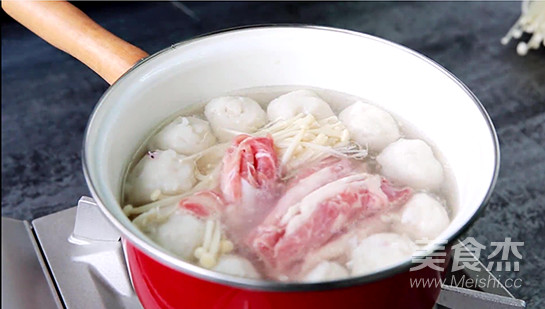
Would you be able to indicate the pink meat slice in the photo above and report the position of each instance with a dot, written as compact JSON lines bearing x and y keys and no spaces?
{"x":324,"y":213}
{"x":308,"y":180}
{"x":339,"y":247}
{"x":327,"y":163}
{"x":250,"y":162}
{"x":204,"y":204}
{"x":249,"y":183}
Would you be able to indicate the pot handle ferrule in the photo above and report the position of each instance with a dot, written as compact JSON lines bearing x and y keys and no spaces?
{"x":66,"y":27}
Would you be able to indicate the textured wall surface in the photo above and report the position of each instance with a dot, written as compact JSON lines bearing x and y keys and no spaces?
{"x":47,"y":97}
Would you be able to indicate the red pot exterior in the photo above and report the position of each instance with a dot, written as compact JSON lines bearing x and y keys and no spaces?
{"x":160,"y":286}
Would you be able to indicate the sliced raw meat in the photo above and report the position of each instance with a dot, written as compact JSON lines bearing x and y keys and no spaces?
{"x":306,"y":181}
{"x":203,"y":204}
{"x":250,"y":162}
{"x":249,"y":183}
{"x":338,"y":248}
{"x":282,"y":243}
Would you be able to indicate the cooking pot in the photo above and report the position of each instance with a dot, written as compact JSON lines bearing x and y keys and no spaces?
{"x":142,"y":95}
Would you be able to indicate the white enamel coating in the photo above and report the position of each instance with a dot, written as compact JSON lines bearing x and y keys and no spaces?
{"x":399,"y":80}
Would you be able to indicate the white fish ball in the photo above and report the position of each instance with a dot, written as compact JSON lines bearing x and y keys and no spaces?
{"x":237,"y":266}
{"x":380,"y":251}
{"x":185,"y":135}
{"x":411,"y":162}
{"x":231,"y":115}
{"x":159,"y":172}
{"x":422,"y":217}
{"x":297,"y":102}
{"x":181,"y":234}
{"x":326,"y":271}
{"x":370,"y":125}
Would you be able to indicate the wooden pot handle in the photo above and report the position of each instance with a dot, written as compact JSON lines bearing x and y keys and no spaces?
{"x":66,"y":27}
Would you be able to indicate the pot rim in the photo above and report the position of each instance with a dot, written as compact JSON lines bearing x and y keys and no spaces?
{"x":264,"y":285}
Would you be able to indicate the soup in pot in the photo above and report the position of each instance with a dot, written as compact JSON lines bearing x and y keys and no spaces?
{"x":278,"y":183}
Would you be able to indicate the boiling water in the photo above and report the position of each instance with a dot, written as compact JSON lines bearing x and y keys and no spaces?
{"x":152,"y":220}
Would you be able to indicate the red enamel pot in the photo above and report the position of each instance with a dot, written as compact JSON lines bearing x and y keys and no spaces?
{"x":142,"y":95}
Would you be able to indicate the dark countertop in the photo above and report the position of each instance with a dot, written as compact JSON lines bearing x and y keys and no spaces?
{"x":48,"y":96}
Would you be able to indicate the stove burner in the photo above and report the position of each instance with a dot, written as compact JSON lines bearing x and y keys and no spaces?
{"x":74,"y":259}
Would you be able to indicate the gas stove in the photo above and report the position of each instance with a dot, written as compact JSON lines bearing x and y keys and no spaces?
{"x":74,"y":259}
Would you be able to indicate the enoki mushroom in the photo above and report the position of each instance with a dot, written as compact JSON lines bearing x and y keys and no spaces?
{"x":532,"y":20}
{"x":303,"y":138}
{"x":213,"y":245}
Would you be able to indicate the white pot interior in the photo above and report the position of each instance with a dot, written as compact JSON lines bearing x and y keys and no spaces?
{"x":391,"y":76}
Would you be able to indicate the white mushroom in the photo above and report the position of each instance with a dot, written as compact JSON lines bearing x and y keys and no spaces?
{"x":422,"y":217}
{"x":298,"y":102}
{"x":380,"y":251}
{"x":230,"y":116}
{"x":326,"y":271}
{"x":185,"y":135}
{"x":411,"y":162}
{"x":211,"y":245}
{"x":370,"y":125}
{"x":303,"y":139}
{"x":237,"y":266}
{"x":181,"y":233}
{"x":159,"y":173}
